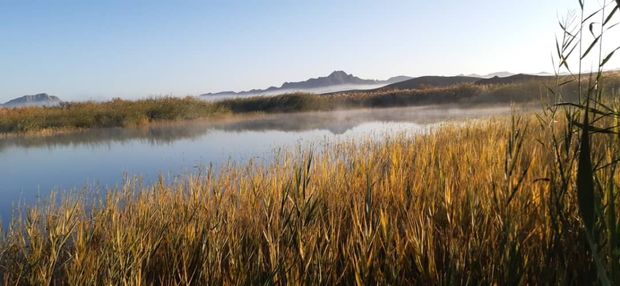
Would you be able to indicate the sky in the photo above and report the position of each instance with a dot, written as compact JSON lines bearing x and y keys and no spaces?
{"x":97,"y":50}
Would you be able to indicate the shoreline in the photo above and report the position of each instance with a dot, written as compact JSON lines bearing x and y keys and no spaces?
{"x":229,"y":117}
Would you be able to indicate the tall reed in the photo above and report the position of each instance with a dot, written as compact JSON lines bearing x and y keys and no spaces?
{"x":593,"y":119}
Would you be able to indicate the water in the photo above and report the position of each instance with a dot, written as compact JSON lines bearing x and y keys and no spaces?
{"x":32,"y":167}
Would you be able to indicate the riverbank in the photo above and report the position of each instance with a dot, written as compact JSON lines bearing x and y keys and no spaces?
{"x":101,"y":157}
{"x":477,"y":202}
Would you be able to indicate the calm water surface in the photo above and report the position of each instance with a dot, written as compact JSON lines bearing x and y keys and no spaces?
{"x":32,"y":167}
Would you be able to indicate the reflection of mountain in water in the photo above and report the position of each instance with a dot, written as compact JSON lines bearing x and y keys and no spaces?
{"x":337,"y":122}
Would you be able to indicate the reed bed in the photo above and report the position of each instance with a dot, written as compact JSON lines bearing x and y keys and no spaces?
{"x":115,"y":113}
{"x":480,"y":203}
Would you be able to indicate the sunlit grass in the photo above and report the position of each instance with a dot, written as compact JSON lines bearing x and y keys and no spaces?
{"x":464,"y":204}
{"x":115,"y":113}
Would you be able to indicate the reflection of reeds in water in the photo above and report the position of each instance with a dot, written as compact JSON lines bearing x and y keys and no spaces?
{"x":152,"y":134}
{"x":463,"y":204}
{"x":336,"y":122}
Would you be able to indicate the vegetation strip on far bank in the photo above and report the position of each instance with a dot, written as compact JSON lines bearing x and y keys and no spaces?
{"x":125,"y":113}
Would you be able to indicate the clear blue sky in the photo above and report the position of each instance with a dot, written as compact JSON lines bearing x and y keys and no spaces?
{"x":82,"y":50}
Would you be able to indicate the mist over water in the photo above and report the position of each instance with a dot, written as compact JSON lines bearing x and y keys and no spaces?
{"x":322,"y":90}
{"x":99,"y":159}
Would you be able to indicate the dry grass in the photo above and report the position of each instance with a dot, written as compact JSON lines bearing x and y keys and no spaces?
{"x":462,"y":205}
{"x":115,"y":113}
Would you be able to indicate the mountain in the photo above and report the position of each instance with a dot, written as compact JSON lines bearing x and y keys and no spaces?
{"x":336,"y":81}
{"x":511,"y":79}
{"x":431,"y":81}
{"x":41,"y":99}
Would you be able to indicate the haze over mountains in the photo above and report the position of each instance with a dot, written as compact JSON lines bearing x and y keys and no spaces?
{"x":495,"y":74}
{"x":340,"y":81}
{"x":334,"y":82}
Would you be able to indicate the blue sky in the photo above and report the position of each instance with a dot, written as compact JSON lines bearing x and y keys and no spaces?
{"x":83,"y":50}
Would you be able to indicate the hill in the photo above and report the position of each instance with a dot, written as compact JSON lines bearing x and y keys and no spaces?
{"x":41,"y":99}
{"x":518,"y":78}
{"x":431,"y":81}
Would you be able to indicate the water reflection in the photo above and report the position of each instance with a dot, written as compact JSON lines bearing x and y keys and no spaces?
{"x":31,"y":166}
{"x":337,"y":122}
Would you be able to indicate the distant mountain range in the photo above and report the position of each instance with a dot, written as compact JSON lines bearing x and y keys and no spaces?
{"x":340,"y":81}
{"x":41,"y":99}
{"x":444,"y":81}
{"x":334,"y":82}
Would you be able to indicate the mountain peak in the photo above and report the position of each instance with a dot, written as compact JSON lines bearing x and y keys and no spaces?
{"x":335,"y":78}
{"x":338,"y":74}
{"x":40,"y":96}
{"x":341,"y":77}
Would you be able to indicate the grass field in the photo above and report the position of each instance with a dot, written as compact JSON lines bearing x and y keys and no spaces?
{"x":490,"y":202}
